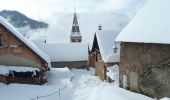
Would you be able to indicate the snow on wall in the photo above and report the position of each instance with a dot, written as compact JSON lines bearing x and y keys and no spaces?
{"x":106,"y":42}
{"x":113,"y":57}
{"x":5,"y":69}
{"x":24,"y":40}
{"x":150,"y":25}
{"x":113,"y":73}
{"x":64,"y":51}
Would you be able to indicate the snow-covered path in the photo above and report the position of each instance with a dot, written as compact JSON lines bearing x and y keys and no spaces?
{"x":84,"y":86}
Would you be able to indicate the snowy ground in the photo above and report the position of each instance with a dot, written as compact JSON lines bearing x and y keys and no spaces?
{"x":83,"y":86}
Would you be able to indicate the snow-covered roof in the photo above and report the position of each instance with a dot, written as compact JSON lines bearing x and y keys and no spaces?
{"x":31,"y":45}
{"x":64,"y":51}
{"x":150,"y":25}
{"x":106,"y":41}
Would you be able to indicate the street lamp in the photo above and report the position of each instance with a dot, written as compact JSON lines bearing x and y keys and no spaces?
{"x":115,"y":49}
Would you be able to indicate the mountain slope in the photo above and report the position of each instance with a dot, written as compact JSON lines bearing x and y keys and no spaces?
{"x":19,"y":20}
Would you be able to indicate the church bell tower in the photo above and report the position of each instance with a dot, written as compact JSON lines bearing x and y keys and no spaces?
{"x":75,"y":35}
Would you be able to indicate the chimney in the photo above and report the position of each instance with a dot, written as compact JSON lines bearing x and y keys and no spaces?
{"x":100,"y":27}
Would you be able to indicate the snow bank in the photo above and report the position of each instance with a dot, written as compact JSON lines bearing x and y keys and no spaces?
{"x":111,"y":92}
{"x":5,"y":69}
{"x":113,"y":73}
{"x":64,"y":51}
{"x":113,"y":57}
{"x":166,"y":98}
{"x":85,"y":86}
{"x":106,"y":42}
{"x":57,"y":78}
{"x":24,"y":40}
{"x":150,"y":25}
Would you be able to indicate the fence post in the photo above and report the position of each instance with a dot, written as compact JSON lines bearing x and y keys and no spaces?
{"x":37,"y":97}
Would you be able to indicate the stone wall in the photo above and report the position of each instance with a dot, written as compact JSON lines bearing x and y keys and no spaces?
{"x":70,"y":64}
{"x":100,"y":66}
{"x":100,"y":69}
{"x":92,"y":60}
{"x":145,"y":68}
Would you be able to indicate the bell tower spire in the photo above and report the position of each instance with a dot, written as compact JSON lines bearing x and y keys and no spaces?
{"x":75,"y":31}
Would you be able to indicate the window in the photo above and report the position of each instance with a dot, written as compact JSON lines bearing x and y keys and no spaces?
{"x":73,"y":40}
{"x":79,"y":40}
{"x":1,"y":40}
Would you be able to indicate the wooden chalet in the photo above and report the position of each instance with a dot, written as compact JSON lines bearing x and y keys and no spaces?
{"x":17,"y":51}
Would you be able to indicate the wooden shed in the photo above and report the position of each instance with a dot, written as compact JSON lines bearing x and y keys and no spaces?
{"x":18,"y":51}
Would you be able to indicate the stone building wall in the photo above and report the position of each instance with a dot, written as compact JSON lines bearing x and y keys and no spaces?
{"x":75,"y":39}
{"x":70,"y":64}
{"x":145,"y":68}
{"x":100,"y":69}
{"x":92,"y":60}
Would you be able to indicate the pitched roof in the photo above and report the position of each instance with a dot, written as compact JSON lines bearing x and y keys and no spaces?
{"x":106,"y":41}
{"x":75,"y":31}
{"x":64,"y":51}
{"x":24,"y":40}
{"x":150,"y":25}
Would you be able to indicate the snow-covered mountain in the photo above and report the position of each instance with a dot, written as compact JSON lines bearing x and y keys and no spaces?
{"x":19,"y":20}
{"x":28,"y":27}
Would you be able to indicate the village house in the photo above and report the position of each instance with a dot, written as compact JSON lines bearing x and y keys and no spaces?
{"x":71,"y":55}
{"x":104,"y":52}
{"x":20,"y":60}
{"x":145,"y":51}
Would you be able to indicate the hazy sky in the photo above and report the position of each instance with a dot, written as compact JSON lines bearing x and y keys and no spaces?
{"x":111,"y":14}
